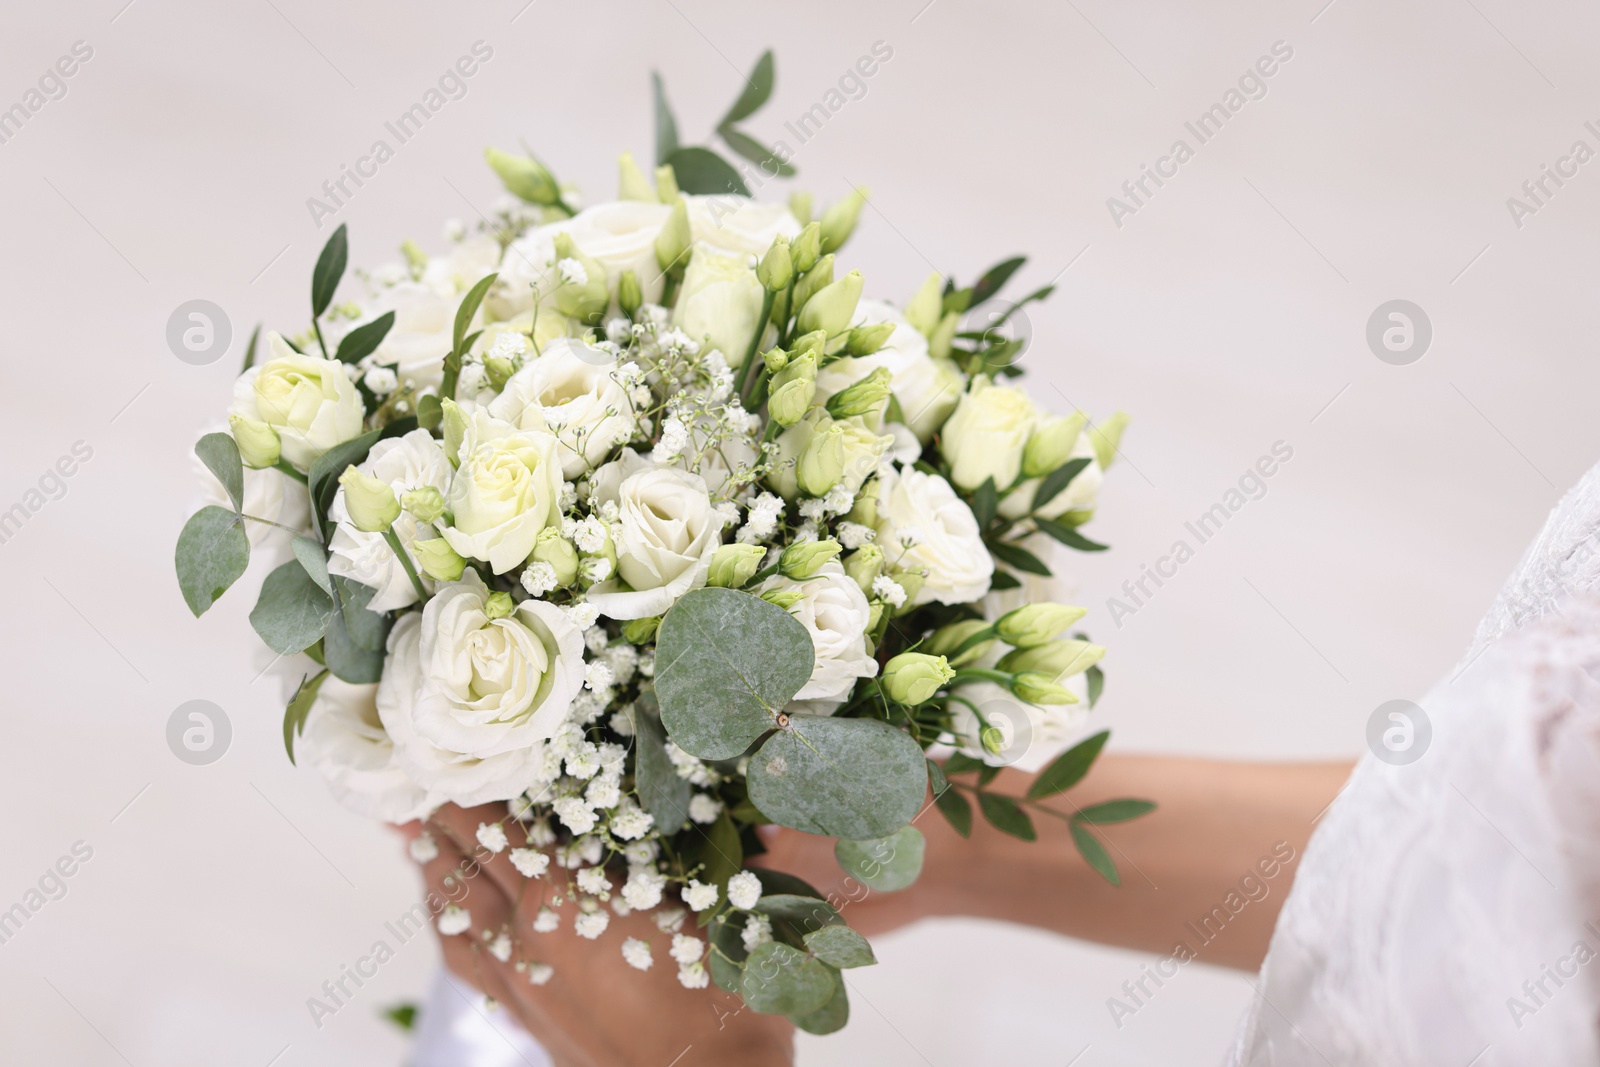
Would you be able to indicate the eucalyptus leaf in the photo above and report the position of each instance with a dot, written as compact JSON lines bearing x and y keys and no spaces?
{"x":887,"y":864}
{"x":832,"y":1016}
{"x":957,"y":811}
{"x":727,"y":955}
{"x":221,"y":456}
{"x":810,"y":912}
{"x":841,"y":947}
{"x":291,"y":612}
{"x":1005,"y":815}
{"x":365,"y":339}
{"x":726,"y":662}
{"x":347,"y":660}
{"x":774,"y":883}
{"x":1057,"y":480}
{"x":855,"y":778}
{"x":757,"y":90}
{"x":294,"y":716}
{"x":213,"y":551}
{"x":1068,"y":769}
{"x":662,"y":792}
{"x":329,"y":269}
{"x":779,"y":979}
{"x":314,"y":558}
{"x":718,"y":849}
{"x":666,"y":125}
{"x":367,"y":630}
{"x":1094,"y":853}
{"x":703,"y":172}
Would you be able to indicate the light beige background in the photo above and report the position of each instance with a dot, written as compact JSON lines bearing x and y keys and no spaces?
{"x":1227,"y":314}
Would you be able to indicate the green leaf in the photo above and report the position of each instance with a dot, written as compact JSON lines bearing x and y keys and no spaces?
{"x":779,"y":979}
{"x":726,"y":663}
{"x":887,"y":864}
{"x":956,"y":810}
{"x":814,"y":914}
{"x":221,"y":456}
{"x":212,"y":552}
{"x":314,"y":558}
{"x":366,"y":629}
{"x":294,"y":716}
{"x":661,"y":792}
{"x":961,"y":763}
{"x":757,"y":90}
{"x":986,"y":774}
{"x":755,"y":151}
{"x":727,"y":955}
{"x":1113,"y":811}
{"x":402,"y":1015}
{"x":323,"y":479}
{"x":995,"y":277}
{"x":1068,"y":536}
{"x":832,"y":1016}
{"x":1002,"y":581}
{"x":329,"y":269}
{"x":717,"y":847}
{"x":1019,"y":557}
{"x":1005,"y":815}
{"x":1095,"y":679}
{"x":841,"y":947}
{"x":430,"y":411}
{"x":855,"y":778}
{"x":291,"y":612}
{"x":347,"y":660}
{"x":703,"y":172}
{"x":469,"y":308}
{"x":984,"y":502}
{"x":666,"y":125}
{"x":778,"y":883}
{"x":364,"y":340}
{"x":250,"y":349}
{"x":936,"y":779}
{"x":1057,"y":480}
{"x":1094,"y":853}
{"x":1068,"y":769}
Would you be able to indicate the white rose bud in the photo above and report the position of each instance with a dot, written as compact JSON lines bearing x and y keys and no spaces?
{"x":310,"y":403}
{"x":720,"y":303}
{"x":507,"y":489}
{"x":258,"y":442}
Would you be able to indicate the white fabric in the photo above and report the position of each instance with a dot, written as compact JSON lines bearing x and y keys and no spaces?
{"x":1432,"y":892}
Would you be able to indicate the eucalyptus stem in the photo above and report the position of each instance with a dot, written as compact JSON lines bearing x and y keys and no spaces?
{"x":1034,"y":804}
{"x":405,"y":561}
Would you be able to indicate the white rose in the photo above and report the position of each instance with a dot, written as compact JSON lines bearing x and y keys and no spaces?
{"x":948,"y":545}
{"x":835,"y":613}
{"x":506,"y":490}
{"x":569,"y":391}
{"x":1079,"y":495}
{"x":668,"y":534}
{"x":739,"y":224}
{"x":720,"y":302}
{"x":469,"y":700}
{"x":414,"y":461}
{"x":926,"y":388}
{"x":310,"y":402}
{"x":345,"y":740}
{"x":620,"y":235}
{"x":986,"y":435}
{"x":1031,"y":735}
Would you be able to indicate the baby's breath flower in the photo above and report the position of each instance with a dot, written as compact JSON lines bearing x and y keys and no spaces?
{"x":540,"y":973}
{"x":453,"y":920}
{"x":500,"y":947}
{"x":423,"y":848}
{"x":539,"y":578}
{"x":643,"y":888}
{"x":492,"y":836}
{"x":744,"y":890}
{"x":591,"y":924}
{"x":670,"y":918}
{"x":530,"y":863}
{"x":889,"y":591}
{"x":573,"y":272}
{"x":693,"y":975}
{"x":575,"y":814}
{"x":597,"y":675}
{"x":757,"y":931}
{"x":704,"y":808}
{"x":852,"y":535}
{"x":547,"y":921}
{"x":593,"y":880}
{"x":700,"y":896}
{"x":686,"y":948}
{"x":637,"y":953}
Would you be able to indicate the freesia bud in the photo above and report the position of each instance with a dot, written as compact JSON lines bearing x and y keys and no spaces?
{"x":733,"y":565}
{"x":426,"y":504}
{"x":806,"y":249}
{"x":865,"y":340}
{"x":1034,"y":624}
{"x":666,"y":184}
{"x":438,"y":560}
{"x":831,"y":309}
{"x":777,"y":269}
{"x":631,"y":182}
{"x":499,"y":605}
{"x":800,"y":207}
{"x":926,"y":306}
{"x":550,"y":547}
{"x":861,"y":398}
{"x":839,"y":221}
{"x":864,"y":565}
{"x":1107,"y":436}
{"x":947,"y":639}
{"x":672,"y":244}
{"x":1038,"y":688}
{"x":1058,"y":659}
{"x":371,"y":502}
{"x":524,"y":177}
{"x":1051,"y":443}
{"x":258,"y":443}
{"x":913,"y":677}
{"x":804,"y":559}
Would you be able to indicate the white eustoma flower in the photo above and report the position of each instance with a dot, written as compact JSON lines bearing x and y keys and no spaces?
{"x":835,"y":612}
{"x":569,"y":391}
{"x":744,"y":890}
{"x":720,"y":302}
{"x":310,"y":402}
{"x":470,"y":700}
{"x":739,"y":224}
{"x":620,"y":235}
{"x":948,"y":544}
{"x":927,"y":388}
{"x":667,"y":536}
{"x":985,"y":436}
{"x":507,"y":489}
{"x":345,"y":740}
{"x":414,"y":461}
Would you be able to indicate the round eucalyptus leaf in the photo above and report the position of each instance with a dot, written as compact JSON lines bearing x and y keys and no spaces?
{"x":811,"y":912}
{"x":832,"y":1016}
{"x":840,"y":946}
{"x":886,"y":864}
{"x":779,"y":979}
{"x":292,"y":612}
{"x":726,"y":663}
{"x":853,"y":778}
{"x":212,"y":553}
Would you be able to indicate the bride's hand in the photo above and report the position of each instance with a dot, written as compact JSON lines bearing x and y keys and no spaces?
{"x":596,"y":1009}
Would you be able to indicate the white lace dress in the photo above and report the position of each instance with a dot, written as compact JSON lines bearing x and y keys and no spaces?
{"x":1447,"y":912}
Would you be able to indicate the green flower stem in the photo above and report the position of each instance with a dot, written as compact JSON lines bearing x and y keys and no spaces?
{"x":405,"y":561}
{"x":973,"y":641}
{"x":284,"y":466}
{"x":318,"y":328}
{"x":982,"y":674}
{"x":745,"y":378}
{"x":786,"y":333}
{"x":669,"y":288}
{"x":1034,"y":804}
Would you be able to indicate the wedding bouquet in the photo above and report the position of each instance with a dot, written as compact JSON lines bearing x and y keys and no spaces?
{"x":643,"y":519}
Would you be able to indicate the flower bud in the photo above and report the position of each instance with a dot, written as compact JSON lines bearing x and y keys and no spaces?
{"x":672,"y":244}
{"x":911,"y":582}
{"x":806,"y":249}
{"x":1107,"y":436}
{"x":631,"y":182}
{"x":1037,"y":688}
{"x":865,"y":340}
{"x":1034,"y":624}
{"x":865,"y":511}
{"x":775,"y":360}
{"x":776,"y":270}
{"x":943,"y":334}
{"x":839,"y":221}
{"x":783,"y":598}
{"x":500,"y":369}
{"x":864,"y":565}
{"x":1058,"y":659}
{"x":524,"y":177}
{"x":804,"y":559}
{"x":453,"y":424}
{"x":550,"y":547}
{"x":666,"y":184}
{"x":808,"y":345}
{"x":639,"y":631}
{"x":800,"y":207}
{"x":790,"y":401}
{"x":371,"y":502}
{"x":425,"y":504}
{"x":946,"y":639}
{"x":820,"y":464}
{"x":438,"y":560}
{"x":913,"y":677}
{"x":993,"y":740}
{"x":831,"y":309}
{"x":813,"y":281}
{"x":926,"y":306}
{"x":499,"y":605}
{"x":1051,"y":444}
{"x":629,"y":297}
{"x":733,"y":565}
{"x":258,"y":443}
{"x":586,"y":302}
{"x":864,"y":397}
